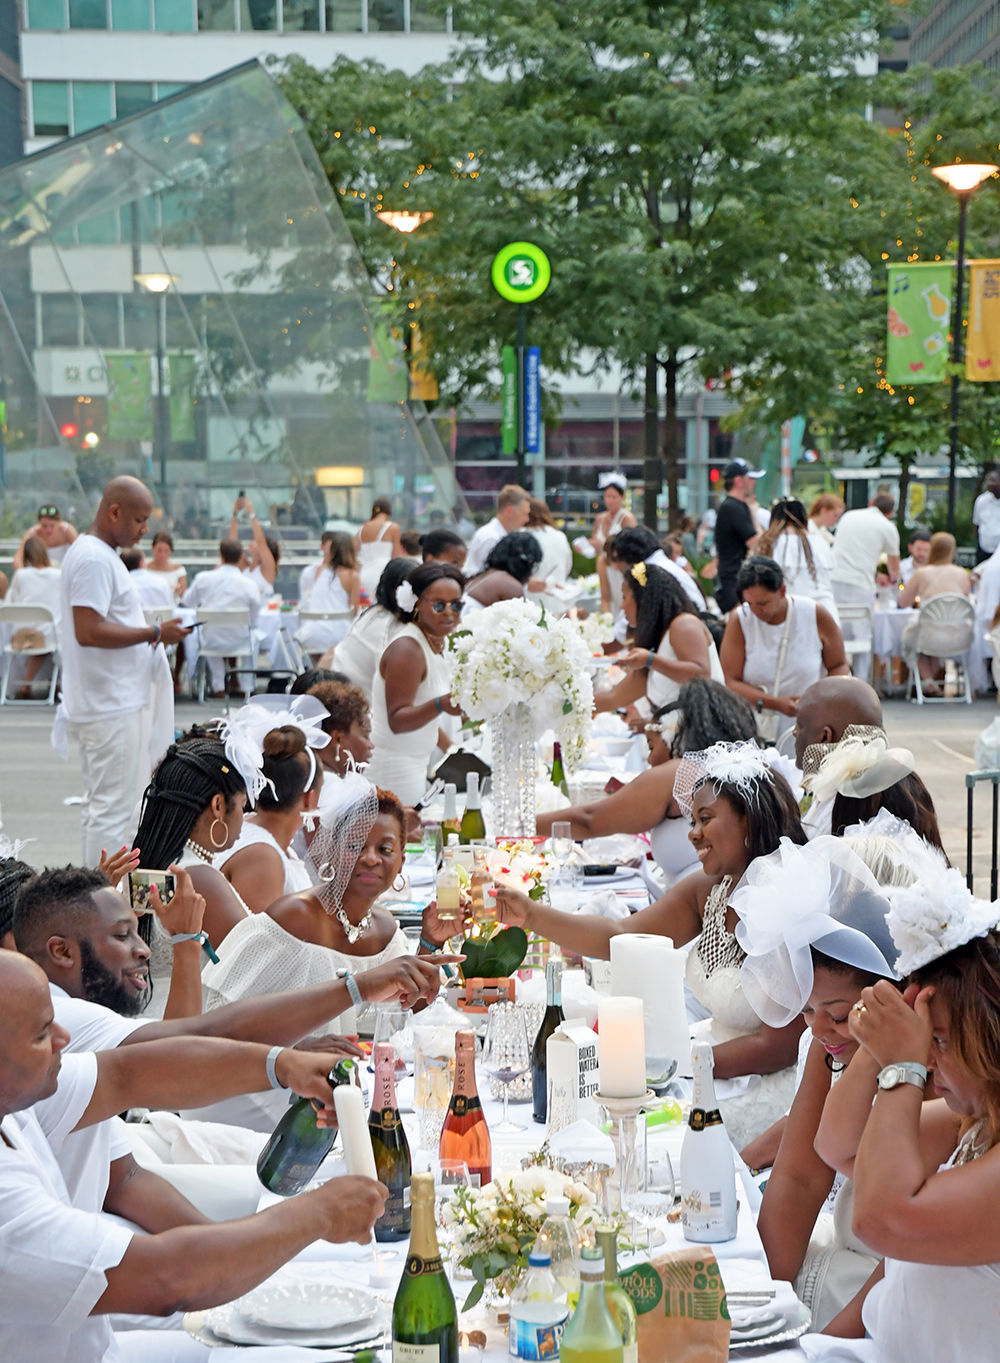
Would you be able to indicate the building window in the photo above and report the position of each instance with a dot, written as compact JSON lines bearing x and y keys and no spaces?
{"x":343,"y":16}
{"x":165,"y":90}
{"x":300,"y":16}
{"x":427,"y":18}
{"x":132,"y":96}
{"x":92,"y":104}
{"x":88,"y":14}
{"x":131,"y":14}
{"x":60,"y":319}
{"x":101,"y":321}
{"x":216,"y":14}
{"x":174,"y":16}
{"x":259,"y":15}
{"x":50,"y":108}
{"x":385,"y":16}
{"x":47,"y":14}
{"x":100,"y":230}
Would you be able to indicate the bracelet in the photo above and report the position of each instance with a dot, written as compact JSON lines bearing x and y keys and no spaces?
{"x":440,"y":707}
{"x":272,"y":1073}
{"x":428,"y":946}
{"x":649,"y":660}
{"x":201,"y":937}
{"x":352,"y":987}
{"x":156,"y":636}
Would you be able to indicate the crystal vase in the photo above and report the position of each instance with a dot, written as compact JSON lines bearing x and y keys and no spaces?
{"x":513,"y":782}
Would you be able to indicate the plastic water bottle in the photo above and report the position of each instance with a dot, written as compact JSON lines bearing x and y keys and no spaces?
{"x":558,"y":1238}
{"x":538,"y":1312}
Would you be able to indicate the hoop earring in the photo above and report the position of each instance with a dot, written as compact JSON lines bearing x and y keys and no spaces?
{"x":225,"y":836}
{"x":402,"y":882}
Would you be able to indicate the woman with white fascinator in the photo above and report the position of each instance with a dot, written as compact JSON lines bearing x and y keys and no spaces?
{"x":813,"y":961}
{"x":613,"y":518}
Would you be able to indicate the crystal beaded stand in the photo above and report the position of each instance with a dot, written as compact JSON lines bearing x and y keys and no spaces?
{"x":513,"y":781}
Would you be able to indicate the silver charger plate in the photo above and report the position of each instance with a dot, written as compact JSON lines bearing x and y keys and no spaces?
{"x":797,"y":1322}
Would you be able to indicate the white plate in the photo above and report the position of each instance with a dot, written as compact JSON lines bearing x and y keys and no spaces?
{"x":227,"y":1322}
{"x":308,"y":1306}
{"x":797,"y":1320}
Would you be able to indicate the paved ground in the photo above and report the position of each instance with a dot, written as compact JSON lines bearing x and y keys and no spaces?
{"x":35,"y":784}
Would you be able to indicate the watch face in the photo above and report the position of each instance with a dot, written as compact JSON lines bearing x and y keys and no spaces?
{"x":889,"y":1077}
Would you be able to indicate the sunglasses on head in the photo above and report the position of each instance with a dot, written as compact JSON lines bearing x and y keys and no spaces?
{"x":48,"y":511}
{"x":439,"y":607}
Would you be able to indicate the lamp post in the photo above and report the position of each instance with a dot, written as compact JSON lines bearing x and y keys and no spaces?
{"x":964,"y":178}
{"x":157,"y":282}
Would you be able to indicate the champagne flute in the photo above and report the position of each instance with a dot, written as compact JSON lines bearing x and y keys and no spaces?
{"x":395,"y":1026}
{"x":562,"y":841}
{"x":651,"y":1185}
{"x":433,"y":844}
{"x":506,"y":1052}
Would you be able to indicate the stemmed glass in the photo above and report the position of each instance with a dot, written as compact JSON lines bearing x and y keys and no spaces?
{"x":648,"y":1186}
{"x":432,"y":841}
{"x":562,"y":841}
{"x":394,"y":1025}
{"x":506,"y":1052}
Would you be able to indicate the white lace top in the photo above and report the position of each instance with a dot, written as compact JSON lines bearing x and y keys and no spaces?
{"x":713,"y":970}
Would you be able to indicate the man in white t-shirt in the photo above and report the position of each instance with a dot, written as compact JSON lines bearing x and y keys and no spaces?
{"x":111,"y":663}
{"x":513,"y":510}
{"x":862,"y":537}
{"x":66,"y":1269}
{"x":986,"y":517}
{"x":225,"y":588}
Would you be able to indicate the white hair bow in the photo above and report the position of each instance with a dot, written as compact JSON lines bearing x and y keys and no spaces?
{"x":244,"y":732}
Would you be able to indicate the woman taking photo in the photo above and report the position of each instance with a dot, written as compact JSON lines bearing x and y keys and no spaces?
{"x":376,"y":543}
{"x":704,"y":713}
{"x":739,"y":809}
{"x":805,"y":561}
{"x":511,"y":565}
{"x":775,"y":645}
{"x":411,"y":690}
{"x":670,"y":643}
{"x":335,"y":587}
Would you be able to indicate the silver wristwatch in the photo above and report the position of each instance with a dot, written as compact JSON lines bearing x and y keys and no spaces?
{"x":904,"y":1072}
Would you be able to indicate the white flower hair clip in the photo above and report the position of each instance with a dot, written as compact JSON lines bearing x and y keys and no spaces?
{"x":859,"y":769}
{"x":406,"y":598}
{"x":935,"y":915}
{"x":244,"y":732}
{"x":742,"y":765}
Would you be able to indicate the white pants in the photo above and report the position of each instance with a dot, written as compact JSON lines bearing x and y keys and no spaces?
{"x":114,"y":756}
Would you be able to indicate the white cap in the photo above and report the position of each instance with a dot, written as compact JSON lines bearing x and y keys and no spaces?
{"x":557,"y":1205}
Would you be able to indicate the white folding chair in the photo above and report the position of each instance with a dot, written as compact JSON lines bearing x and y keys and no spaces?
{"x":945,"y":628}
{"x":237,"y":620}
{"x":858,"y":634}
{"x":306,"y":617}
{"x":28,"y":617}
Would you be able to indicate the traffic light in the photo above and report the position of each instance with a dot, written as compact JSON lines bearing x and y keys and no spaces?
{"x":69,"y":430}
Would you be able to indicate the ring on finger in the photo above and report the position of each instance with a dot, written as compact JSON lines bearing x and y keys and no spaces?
{"x":858,"y":1008}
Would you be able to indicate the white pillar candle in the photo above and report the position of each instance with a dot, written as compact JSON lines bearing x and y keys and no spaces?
{"x":650,"y":968}
{"x":357,"y":1145}
{"x":621,"y":1051}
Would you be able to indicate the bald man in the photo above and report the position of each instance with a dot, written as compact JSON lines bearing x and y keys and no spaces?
{"x":111,"y":662}
{"x":825,"y":710}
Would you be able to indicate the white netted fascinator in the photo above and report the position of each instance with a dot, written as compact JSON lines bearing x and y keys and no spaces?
{"x":243,"y":734}
{"x":345,"y":821}
{"x":406,"y":598}
{"x":613,"y":478}
{"x":936,"y":914}
{"x":893,"y":851}
{"x":858,"y":768}
{"x":821,"y":895}
{"x":742,"y":765}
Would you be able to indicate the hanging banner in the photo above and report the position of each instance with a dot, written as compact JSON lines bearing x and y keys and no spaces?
{"x":982,"y":335}
{"x":919,"y":322}
{"x":532,"y":399}
{"x":508,"y":400}
{"x":130,"y":395}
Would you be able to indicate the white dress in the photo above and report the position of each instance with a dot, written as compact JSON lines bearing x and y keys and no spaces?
{"x":373,"y":555}
{"x":38,"y":587}
{"x":713,"y":977}
{"x":661,"y":690}
{"x":359,"y":651}
{"x":297,"y":877}
{"x":790,"y":555}
{"x":327,"y":593}
{"x":399,"y":762}
{"x":803,"y":663}
{"x":260,"y":957}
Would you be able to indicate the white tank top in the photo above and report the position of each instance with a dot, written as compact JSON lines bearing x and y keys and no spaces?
{"x":420,"y":741}
{"x":803,"y":663}
{"x":297,"y":877}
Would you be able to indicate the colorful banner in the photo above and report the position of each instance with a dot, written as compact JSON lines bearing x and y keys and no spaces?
{"x":508,"y":400}
{"x":182,"y":398}
{"x":982,"y":335}
{"x":130,"y":402}
{"x":919,"y":322}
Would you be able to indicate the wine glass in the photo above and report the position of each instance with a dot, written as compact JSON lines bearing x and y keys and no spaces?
{"x":433,"y":844}
{"x":649,"y":1186}
{"x":562,"y":841}
{"x":395,"y":1026}
{"x":506,"y":1052}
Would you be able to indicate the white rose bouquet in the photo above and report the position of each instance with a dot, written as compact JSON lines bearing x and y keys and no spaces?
{"x":515,"y":652}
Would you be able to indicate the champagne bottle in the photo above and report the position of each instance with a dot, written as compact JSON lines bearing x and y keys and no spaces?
{"x":473,"y":824}
{"x":448,"y":892}
{"x":551,"y":1019}
{"x":618,"y":1300}
{"x":591,"y":1336}
{"x":390,"y":1147}
{"x":450,"y":825}
{"x":708,"y":1186}
{"x":297,"y":1146}
{"x":424,"y":1319}
{"x":465,"y":1135}
{"x":558,"y":770}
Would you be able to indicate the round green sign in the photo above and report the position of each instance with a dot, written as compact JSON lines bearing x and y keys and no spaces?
{"x":521,"y":272}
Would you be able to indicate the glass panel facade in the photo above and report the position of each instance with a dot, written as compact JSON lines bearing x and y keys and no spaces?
{"x":88,"y":14}
{"x":50,"y":108}
{"x":343,"y":16}
{"x":426,"y":18}
{"x":131,"y":97}
{"x":174,"y":16}
{"x":385,"y":16}
{"x":92,"y":104}
{"x":216,"y":14}
{"x":300,"y":16}
{"x":131,"y":14}
{"x":46,"y":14}
{"x":258,"y":14}
{"x":277,"y":377}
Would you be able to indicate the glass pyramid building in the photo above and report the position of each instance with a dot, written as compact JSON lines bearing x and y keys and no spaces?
{"x":181,"y":298}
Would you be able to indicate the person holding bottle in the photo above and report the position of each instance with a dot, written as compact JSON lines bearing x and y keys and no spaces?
{"x":410,"y":692}
{"x":740,"y":809}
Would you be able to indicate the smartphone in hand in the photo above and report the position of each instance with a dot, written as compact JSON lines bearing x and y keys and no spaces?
{"x":141,"y":881}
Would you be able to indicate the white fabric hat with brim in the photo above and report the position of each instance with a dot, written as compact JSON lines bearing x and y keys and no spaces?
{"x":858,"y":768}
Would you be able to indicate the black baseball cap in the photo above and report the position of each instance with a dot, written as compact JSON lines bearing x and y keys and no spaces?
{"x":739,"y":468}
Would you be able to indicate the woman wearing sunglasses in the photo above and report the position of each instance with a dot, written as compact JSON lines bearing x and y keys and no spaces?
{"x":410,"y":693}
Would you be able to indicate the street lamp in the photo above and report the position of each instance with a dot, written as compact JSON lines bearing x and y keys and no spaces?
{"x":964,"y":178}
{"x":157,"y":282}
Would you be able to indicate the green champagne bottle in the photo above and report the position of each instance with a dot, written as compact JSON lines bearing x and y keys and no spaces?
{"x":473,"y":823}
{"x":297,"y":1146}
{"x":450,"y":822}
{"x":390,"y":1147}
{"x":558,"y":770}
{"x":424,"y":1319}
{"x":618,"y":1300}
{"x":591,"y":1336}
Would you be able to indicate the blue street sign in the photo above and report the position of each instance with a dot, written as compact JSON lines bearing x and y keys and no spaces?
{"x":532,"y":399}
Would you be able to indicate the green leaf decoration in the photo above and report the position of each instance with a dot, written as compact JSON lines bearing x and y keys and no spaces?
{"x":497,"y":958}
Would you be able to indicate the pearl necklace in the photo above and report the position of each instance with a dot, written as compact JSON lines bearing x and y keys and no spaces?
{"x":201,"y":852}
{"x":352,"y":931}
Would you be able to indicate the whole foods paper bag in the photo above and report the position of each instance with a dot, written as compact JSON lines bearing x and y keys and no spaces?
{"x":680,"y":1303}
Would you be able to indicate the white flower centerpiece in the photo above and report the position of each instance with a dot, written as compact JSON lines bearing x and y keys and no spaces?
{"x":525,"y":671}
